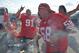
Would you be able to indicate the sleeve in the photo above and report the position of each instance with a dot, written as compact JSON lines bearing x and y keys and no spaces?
{"x":69,"y":24}
{"x":21,"y":16}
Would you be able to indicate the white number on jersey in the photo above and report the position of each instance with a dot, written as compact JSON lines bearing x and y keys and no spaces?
{"x":46,"y":32}
{"x":29,"y":22}
{"x":68,"y":24}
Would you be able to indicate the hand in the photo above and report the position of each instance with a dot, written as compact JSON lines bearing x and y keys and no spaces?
{"x":21,"y":8}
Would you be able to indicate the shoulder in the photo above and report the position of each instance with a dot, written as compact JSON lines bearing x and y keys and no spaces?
{"x":33,"y":16}
{"x":23,"y":14}
{"x":59,"y":16}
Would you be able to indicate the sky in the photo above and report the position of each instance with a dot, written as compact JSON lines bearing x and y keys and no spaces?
{"x":14,"y":5}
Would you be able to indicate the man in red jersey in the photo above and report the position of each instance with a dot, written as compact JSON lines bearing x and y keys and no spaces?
{"x":53,"y":29}
{"x":72,"y":42}
{"x":28,"y":28}
{"x":27,"y":25}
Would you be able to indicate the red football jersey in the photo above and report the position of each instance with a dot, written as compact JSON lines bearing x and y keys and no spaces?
{"x":27,"y":28}
{"x":50,"y":29}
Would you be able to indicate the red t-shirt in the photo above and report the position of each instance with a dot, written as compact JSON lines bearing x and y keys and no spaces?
{"x":27,"y":28}
{"x":51,"y":26}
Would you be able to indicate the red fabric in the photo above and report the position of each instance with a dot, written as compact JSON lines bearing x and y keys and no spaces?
{"x":60,"y":47}
{"x":54,"y":22}
{"x":27,"y":28}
